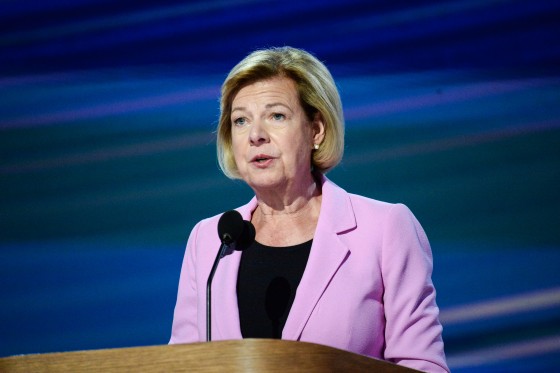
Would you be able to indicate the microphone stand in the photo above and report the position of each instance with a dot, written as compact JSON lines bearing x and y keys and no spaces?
{"x":221,"y":253}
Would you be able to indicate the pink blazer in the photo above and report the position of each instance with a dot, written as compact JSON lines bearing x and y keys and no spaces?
{"x":366,"y":288}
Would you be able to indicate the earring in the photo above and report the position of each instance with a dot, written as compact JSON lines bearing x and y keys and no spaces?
{"x":316,"y":146}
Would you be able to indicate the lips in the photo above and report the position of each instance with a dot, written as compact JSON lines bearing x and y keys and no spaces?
{"x":262,"y":161}
{"x":261,"y":158}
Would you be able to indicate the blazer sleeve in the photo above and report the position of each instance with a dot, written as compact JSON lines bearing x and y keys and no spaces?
{"x":413,"y":331}
{"x":184,"y":329}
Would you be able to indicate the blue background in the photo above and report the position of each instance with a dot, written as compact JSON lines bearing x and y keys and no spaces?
{"x":107,"y":157}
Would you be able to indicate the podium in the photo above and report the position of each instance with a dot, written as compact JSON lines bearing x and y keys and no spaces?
{"x":247,"y":355}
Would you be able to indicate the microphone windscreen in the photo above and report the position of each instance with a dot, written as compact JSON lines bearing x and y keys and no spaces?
{"x":247,"y":236}
{"x":230,"y":226}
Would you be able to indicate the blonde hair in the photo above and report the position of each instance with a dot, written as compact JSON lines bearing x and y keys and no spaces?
{"x":317,"y":93}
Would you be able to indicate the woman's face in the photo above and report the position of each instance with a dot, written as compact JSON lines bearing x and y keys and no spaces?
{"x":272,"y":138}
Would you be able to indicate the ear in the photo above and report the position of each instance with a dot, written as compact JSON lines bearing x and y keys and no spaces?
{"x":318,"y":127}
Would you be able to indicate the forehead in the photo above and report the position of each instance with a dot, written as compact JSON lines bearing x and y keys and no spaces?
{"x":280,"y":88}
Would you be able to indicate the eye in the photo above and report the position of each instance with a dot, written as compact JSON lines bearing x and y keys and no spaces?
{"x":278,"y":116}
{"x":240,"y":121}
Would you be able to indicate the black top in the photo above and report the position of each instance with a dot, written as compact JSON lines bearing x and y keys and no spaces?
{"x":266,"y":287}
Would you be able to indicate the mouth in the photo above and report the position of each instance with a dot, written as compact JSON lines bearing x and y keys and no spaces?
{"x":261,"y":158}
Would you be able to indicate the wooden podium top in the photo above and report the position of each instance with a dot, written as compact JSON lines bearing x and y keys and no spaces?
{"x":247,"y":355}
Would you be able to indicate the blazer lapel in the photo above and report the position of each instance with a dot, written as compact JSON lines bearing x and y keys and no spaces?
{"x":328,"y":253}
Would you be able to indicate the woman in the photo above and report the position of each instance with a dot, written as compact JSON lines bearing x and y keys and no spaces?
{"x":327,"y":266}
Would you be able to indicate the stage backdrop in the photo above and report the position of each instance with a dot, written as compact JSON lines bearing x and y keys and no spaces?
{"x":107,"y":157}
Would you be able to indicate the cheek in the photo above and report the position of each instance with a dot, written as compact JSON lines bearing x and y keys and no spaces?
{"x":300,"y":153}
{"x":237,"y":152}
{"x":236,"y":146}
{"x":304,"y":145}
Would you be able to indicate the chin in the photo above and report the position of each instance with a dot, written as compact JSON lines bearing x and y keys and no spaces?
{"x":265,"y":181}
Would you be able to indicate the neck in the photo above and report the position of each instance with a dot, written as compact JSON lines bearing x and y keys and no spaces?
{"x":285,"y":219}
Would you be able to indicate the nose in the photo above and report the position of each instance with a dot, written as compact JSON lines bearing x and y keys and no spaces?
{"x":258,"y":134}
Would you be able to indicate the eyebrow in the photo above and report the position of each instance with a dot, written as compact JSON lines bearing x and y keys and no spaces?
{"x":267,"y":106}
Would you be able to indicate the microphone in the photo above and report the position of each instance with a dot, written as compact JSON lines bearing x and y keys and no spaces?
{"x":234,"y":231}
{"x":235,"y":234}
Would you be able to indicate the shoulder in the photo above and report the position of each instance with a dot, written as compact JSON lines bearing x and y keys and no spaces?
{"x":393,"y":217}
{"x":385,"y":217}
{"x":371,"y":204}
{"x":362,"y":205}
{"x":386,"y":210}
{"x":394,"y":230}
{"x":369,"y":213}
{"x":204,"y":225}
